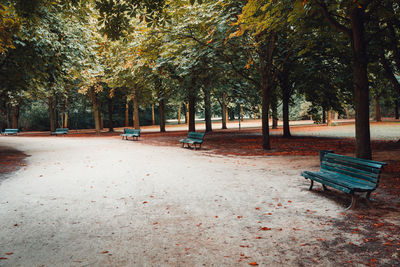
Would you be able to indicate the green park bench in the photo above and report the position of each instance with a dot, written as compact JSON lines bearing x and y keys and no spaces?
{"x":347,"y":174}
{"x":60,"y":131}
{"x":134,"y":133}
{"x":193,"y":139}
{"x":10,"y":132}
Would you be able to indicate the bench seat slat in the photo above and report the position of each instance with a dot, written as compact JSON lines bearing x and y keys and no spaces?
{"x":340,"y":181}
{"x":315,"y":177}
{"x":359,"y":174}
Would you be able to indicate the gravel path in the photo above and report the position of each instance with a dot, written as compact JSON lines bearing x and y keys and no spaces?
{"x":108,"y":202}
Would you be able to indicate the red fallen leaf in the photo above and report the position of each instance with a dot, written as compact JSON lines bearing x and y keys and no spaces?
{"x":321,"y":239}
{"x":105,"y":252}
{"x":9,"y":253}
{"x":257,"y":208}
{"x":240,"y":217}
{"x":3,"y":258}
{"x":258,"y":237}
{"x":244,"y":246}
{"x":216,"y":216}
{"x":144,"y":202}
{"x":253,"y":263}
{"x":269,"y":213}
{"x":154,"y":223}
{"x":279,"y":204}
{"x":198,"y":225}
{"x":147,"y":174}
{"x":373,"y":260}
{"x":186,"y":249}
{"x":289,"y":201}
{"x":16,"y":224}
{"x":387,"y":244}
{"x":265,"y":229}
{"x":378,"y":225}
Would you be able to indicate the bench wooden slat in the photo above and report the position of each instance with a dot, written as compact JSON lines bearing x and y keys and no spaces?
{"x":355,"y":184}
{"x":371,"y":177}
{"x":356,"y":161}
{"x":317,"y":178}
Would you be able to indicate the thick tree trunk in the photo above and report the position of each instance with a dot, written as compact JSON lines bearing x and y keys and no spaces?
{"x":127,"y":113}
{"x":15,"y":116}
{"x":101,"y":120}
{"x":378,"y":115}
{"x":51,"y":114}
{"x":285,"y":104}
{"x":110,"y":107}
{"x":192,"y":111}
{"x":161,"y":108}
{"x":361,"y":90}
{"x":396,"y":109}
{"x":224,"y":111}
{"x":207,"y":109}
{"x":136,"y":120}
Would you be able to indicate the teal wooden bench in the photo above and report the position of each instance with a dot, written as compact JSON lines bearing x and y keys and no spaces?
{"x":193,"y":139}
{"x":60,"y":131}
{"x":134,"y":133}
{"x":10,"y":132}
{"x":347,"y":174}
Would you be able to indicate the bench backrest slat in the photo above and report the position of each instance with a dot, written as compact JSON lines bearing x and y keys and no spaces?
{"x":353,"y":175}
{"x":62,"y":130}
{"x":131,"y":131}
{"x":357,"y":170}
{"x":196,"y":135}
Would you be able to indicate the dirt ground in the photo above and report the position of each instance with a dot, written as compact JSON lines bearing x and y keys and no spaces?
{"x":82,"y":200}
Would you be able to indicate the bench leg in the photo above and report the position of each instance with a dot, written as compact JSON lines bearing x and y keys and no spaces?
{"x":368,"y":200}
{"x":312,"y":184}
{"x":325,"y":188}
{"x":353,"y":202}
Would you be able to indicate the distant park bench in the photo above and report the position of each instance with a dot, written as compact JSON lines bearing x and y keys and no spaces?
{"x":10,"y":132}
{"x":193,"y":139}
{"x":60,"y":131}
{"x":131,"y":133}
{"x":347,"y":174}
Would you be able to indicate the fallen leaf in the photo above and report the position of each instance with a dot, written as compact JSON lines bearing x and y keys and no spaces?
{"x":321,"y":239}
{"x":253,"y":263}
{"x":257,"y":208}
{"x":240,"y":217}
{"x":144,"y":202}
{"x":105,"y":252}
{"x":265,"y":229}
{"x":9,"y":253}
{"x":3,"y":258}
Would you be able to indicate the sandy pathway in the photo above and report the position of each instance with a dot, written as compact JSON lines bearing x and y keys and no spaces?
{"x":108,"y":202}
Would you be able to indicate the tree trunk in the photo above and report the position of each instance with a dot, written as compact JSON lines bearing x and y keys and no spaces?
{"x":136,"y":121}
{"x":207,"y":109}
{"x":127,"y":113}
{"x":110,"y":115}
{"x":9,"y":115}
{"x":161,"y":107}
{"x":396,"y":109}
{"x":101,"y":120}
{"x":329,"y":115}
{"x":179,"y":113}
{"x":51,"y":115}
{"x":378,"y":115}
{"x":285,"y":103}
{"x":224,"y":111}
{"x":96,"y":111}
{"x":187,"y":113}
{"x":274,"y":109}
{"x":361,"y":90}
{"x":192,"y":111}
{"x":153,"y":117}
{"x":15,"y":116}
